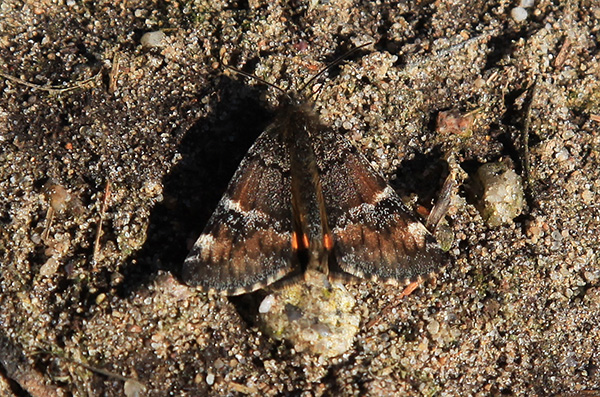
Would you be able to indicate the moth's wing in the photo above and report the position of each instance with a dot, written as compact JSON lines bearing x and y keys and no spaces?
{"x":247,"y":241}
{"x":374,"y":234}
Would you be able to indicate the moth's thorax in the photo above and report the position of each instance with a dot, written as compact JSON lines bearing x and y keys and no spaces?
{"x":297,"y":117}
{"x":298,"y":126}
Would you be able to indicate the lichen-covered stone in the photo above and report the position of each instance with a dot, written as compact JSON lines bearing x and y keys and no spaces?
{"x":501,"y":196}
{"x":314,"y":315}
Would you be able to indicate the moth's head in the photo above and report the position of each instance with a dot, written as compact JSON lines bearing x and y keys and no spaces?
{"x":294,"y":98}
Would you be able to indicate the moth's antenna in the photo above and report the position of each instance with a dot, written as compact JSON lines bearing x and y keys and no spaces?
{"x":260,"y":80}
{"x":337,"y":61}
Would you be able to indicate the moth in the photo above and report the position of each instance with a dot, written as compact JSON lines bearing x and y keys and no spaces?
{"x":304,"y":198}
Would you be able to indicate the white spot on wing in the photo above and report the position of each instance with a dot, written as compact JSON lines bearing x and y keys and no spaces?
{"x":227,"y":204}
{"x":230,"y":204}
{"x":204,"y":241}
{"x":418,"y":231}
{"x":365,"y":209}
{"x":385,"y":193}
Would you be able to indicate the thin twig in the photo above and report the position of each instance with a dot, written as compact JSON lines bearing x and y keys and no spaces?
{"x":100,"y":221}
{"x":526,"y":127}
{"x":50,"y":89}
{"x":562,"y":54}
{"x":114,"y":73}
{"x":49,"y":219}
{"x":409,"y":289}
{"x":440,"y":208}
{"x":98,"y":370}
{"x":442,"y":53}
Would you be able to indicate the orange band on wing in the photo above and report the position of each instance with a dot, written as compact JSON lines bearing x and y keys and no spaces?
{"x":328,"y":242}
{"x":305,"y":241}
{"x":299,"y":242}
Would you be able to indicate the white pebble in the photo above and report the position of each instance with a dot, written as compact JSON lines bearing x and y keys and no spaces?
{"x":562,"y":155}
{"x":266,"y":304}
{"x":210,"y":379}
{"x":50,"y":267}
{"x":526,"y":3}
{"x":133,"y":388}
{"x":519,"y":14}
{"x":153,"y":39}
{"x":433,"y":327}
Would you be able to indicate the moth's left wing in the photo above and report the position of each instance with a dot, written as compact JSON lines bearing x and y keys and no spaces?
{"x":374,"y":234}
{"x":246,"y":244}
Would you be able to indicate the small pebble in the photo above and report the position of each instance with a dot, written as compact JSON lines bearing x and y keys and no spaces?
{"x":49,"y":268}
{"x":153,"y":39}
{"x":314,"y":316}
{"x":266,"y":304}
{"x":502,"y":197}
{"x":322,"y":329}
{"x":59,"y":198}
{"x":210,"y":379}
{"x":133,"y":388}
{"x":100,"y":298}
{"x":519,"y":14}
{"x":433,"y":327}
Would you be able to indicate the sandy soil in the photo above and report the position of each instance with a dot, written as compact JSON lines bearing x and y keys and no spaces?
{"x":114,"y":154}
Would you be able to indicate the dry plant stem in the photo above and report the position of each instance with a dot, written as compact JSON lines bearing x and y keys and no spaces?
{"x":50,"y":89}
{"x":49,"y":219}
{"x":97,"y":370}
{"x":441,"y":207}
{"x":100,"y":221}
{"x":525,"y":132}
{"x":409,"y":289}
{"x":114,"y":73}
{"x":562,"y":54}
